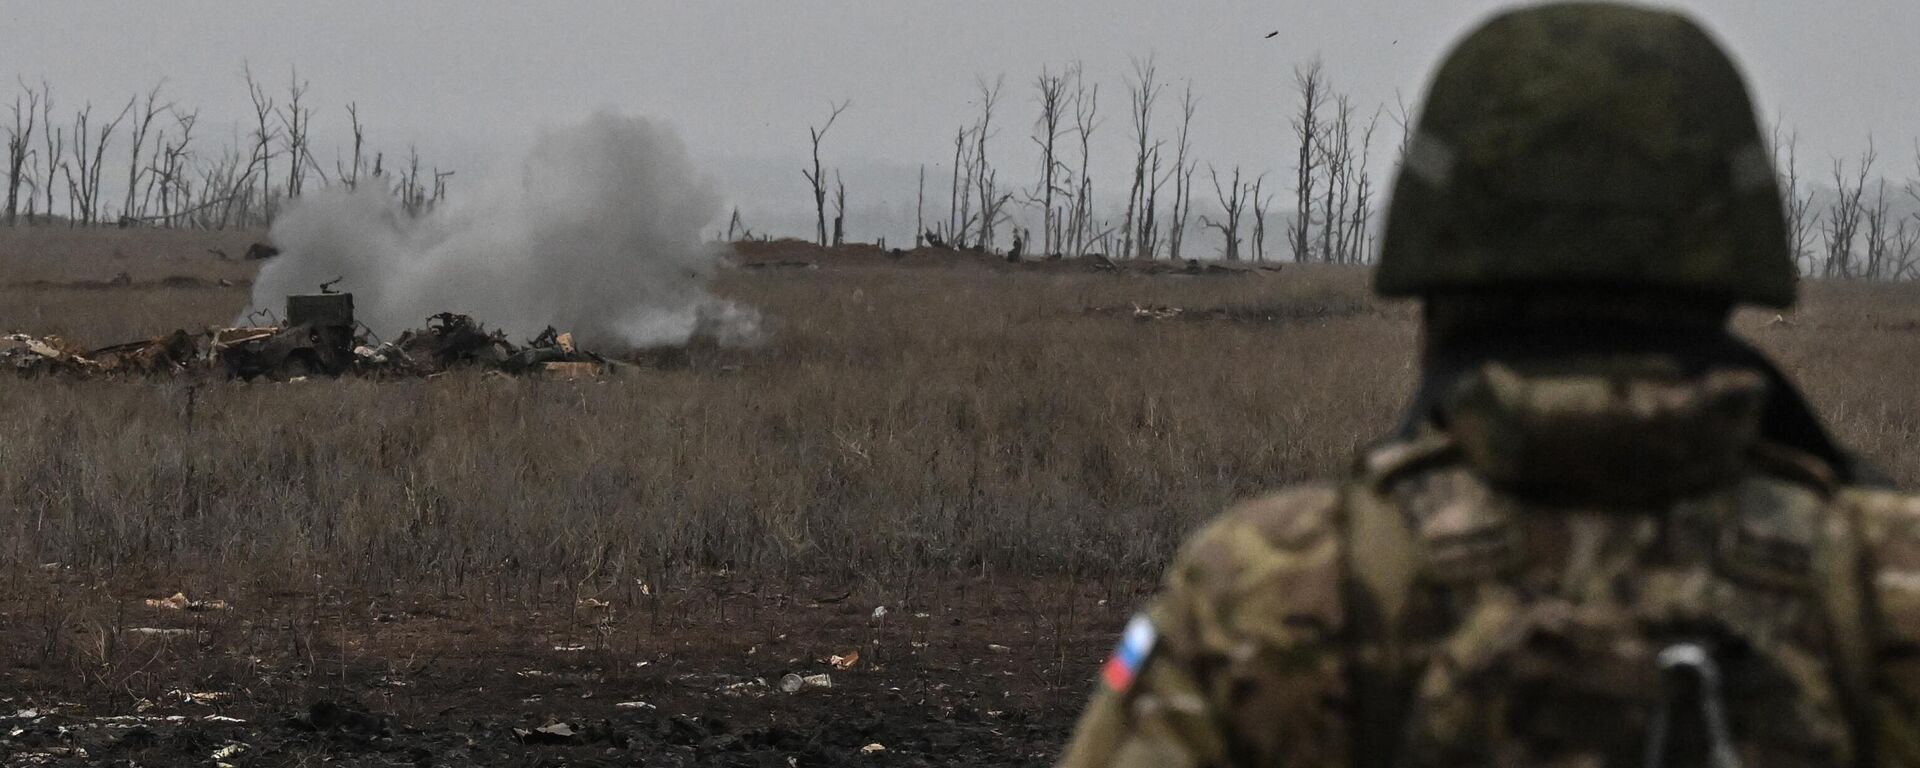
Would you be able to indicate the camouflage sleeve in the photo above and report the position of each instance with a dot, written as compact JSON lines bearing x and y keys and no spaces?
{"x":1243,"y":668}
{"x":1891,"y":526}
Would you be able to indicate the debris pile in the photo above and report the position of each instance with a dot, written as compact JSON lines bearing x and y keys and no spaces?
{"x":319,"y":337}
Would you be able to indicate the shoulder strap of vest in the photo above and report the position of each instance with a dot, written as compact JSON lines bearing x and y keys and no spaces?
{"x":1380,"y":561}
{"x":1840,"y":565}
{"x":1841,"y":580}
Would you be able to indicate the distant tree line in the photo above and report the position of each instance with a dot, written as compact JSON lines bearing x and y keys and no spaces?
{"x":1859,"y":227}
{"x":57,"y":162}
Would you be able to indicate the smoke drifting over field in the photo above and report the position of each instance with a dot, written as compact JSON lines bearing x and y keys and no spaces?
{"x":599,"y":234}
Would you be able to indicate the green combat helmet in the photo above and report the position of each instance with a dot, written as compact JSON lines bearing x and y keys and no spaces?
{"x":1588,"y":147}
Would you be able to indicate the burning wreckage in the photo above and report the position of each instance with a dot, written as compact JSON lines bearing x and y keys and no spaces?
{"x":318,"y":337}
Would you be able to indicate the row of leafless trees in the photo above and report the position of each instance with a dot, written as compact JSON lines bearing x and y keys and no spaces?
{"x":1864,"y":229}
{"x":1334,"y":193}
{"x":56,"y":166}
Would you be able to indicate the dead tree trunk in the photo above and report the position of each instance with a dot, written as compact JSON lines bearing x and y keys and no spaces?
{"x":350,"y":175}
{"x":1306,"y":131}
{"x":137,"y":137}
{"x":989,"y":207}
{"x":263,"y":137}
{"x":55,"y":139}
{"x":19,"y":137}
{"x":1052,"y":92}
{"x":90,"y":159}
{"x":1844,"y":217}
{"x":1182,"y":177}
{"x":1799,"y":205}
{"x":1086,"y":117}
{"x":1260,"y":206}
{"x":817,"y":178}
{"x":1232,"y":201}
{"x":295,"y":124}
{"x":839,"y":211}
{"x":1142,"y":92}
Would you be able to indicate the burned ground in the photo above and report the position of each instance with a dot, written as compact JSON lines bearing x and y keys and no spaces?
{"x":689,"y":677}
{"x":416,"y":571}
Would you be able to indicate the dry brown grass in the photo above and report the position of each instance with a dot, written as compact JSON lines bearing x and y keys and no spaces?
{"x":901,"y":421}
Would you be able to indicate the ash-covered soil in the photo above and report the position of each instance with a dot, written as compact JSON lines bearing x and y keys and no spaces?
{"x":985,"y":674}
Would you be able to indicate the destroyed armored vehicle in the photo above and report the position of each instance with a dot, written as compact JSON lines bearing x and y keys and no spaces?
{"x":316,"y":339}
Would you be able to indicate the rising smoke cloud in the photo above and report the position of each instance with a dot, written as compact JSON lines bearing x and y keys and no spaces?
{"x":599,"y":233}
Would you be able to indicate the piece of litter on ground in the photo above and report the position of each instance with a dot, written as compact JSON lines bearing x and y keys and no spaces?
{"x":180,"y":602}
{"x":872,"y":748}
{"x":879,"y":612}
{"x":845,"y":662}
{"x":998,"y":648}
{"x":159,"y":631}
{"x":634,"y":705}
{"x":570,"y":647}
{"x":230,"y":750}
{"x":794,"y":683}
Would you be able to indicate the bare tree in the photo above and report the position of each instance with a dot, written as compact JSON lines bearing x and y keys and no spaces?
{"x":1335,"y":150}
{"x":1880,"y":237}
{"x":919,"y":211}
{"x":1086,"y":118}
{"x":817,"y":178}
{"x":1261,"y":204}
{"x":350,"y":175}
{"x":1799,"y":204}
{"x":89,"y":161}
{"x":1311,"y":81}
{"x":295,"y":123}
{"x":1143,"y":91}
{"x":1232,"y":202}
{"x":137,"y":137}
{"x":1359,"y":219}
{"x":264,"y":135}
{"x":839,"y":210}
{"x":167,"y":181}
{"x":1052,"y":92}
{"x":1844,"y":216}
{"x":991,"y":200}
{"x":960,"y":207}
{"x":19,"y":139}
{"x":1183,"y":168}
{"x":55,"y":138}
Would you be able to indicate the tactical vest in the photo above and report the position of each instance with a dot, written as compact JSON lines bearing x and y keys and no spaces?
{"x":1603,"y":572}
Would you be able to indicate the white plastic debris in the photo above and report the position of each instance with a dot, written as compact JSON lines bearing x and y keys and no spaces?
{"x":160,"y":631}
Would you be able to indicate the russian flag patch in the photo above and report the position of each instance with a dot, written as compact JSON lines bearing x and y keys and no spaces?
{"x":1130,"y":656}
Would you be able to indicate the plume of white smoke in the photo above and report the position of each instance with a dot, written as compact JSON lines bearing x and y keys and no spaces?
{"x":598,"y":233}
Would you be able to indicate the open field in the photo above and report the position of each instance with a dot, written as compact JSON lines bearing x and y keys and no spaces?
{"x":1000,"y":456}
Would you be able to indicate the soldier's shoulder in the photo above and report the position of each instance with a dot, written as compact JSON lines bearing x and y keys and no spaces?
{"x":1889,"y":524}
{"x":1272,"y":561}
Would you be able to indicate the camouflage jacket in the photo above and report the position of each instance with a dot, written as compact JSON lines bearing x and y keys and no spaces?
{"x":1423,"y":613}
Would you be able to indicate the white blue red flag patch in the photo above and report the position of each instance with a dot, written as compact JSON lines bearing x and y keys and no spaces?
{"x":1130,"y":656}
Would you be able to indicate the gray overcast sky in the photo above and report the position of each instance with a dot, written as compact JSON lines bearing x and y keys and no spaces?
{"x":741,"y":78}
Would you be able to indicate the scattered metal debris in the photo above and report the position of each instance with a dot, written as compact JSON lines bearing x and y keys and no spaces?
{"x":319,"y":337}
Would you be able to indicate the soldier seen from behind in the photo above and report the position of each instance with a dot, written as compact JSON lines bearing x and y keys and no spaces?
{"x":1609,"y":532}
